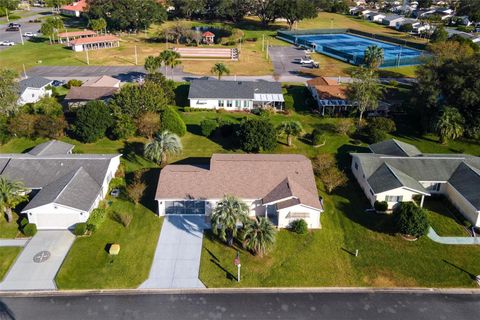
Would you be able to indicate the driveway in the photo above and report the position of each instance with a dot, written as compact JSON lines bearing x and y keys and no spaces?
{"x":177,"y":257}
{"x":38,"y":263}
{"x":26,"y":27}
{"x":283,"y":59}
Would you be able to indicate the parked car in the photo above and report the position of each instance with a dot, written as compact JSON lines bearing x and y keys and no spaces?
{"x":7,"y":43}
{"x":12,"y":28}
{"x":58,"y":83}
{"x":29,"y":34}
{"x":13,"y":24}
{"x":306,"y":60}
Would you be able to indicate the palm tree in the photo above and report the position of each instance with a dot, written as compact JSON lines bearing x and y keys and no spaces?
{"x":290,"y":129}
{"x":258,"y":235}
{"x":220,"y":69}
{"x":373,"y":57}
{"x":12,"y":193}
{"x":450,"y":125}
{"x":171,"y":59}
{"x":226,"y":215}
{"x":163,"y":145}
{"x":152,"y":64}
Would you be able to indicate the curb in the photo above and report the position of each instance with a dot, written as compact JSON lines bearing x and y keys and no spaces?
{"x":280,"y":290}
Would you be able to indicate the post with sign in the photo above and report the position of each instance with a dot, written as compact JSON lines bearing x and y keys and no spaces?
{"x":237,"y":263}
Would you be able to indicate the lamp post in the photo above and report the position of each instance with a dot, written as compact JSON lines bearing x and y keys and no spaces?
{"x":237,"y":263}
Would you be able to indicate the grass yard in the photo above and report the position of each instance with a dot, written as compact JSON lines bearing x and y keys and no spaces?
{"x":7,"y":257}
{"x":88,"y":264}
{"x":9,"y":230}
{"x":444,"y":219}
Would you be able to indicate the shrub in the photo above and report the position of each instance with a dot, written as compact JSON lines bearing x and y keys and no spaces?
{"x":381,"y":206}
{"x":124,"y":127}
{"x":80,"y":229}
{"x":170,"y":120}
{"x":47,"y":105}
{"x":4,"y":132}
{"x":299,"y":226}
{"x":226,"y":126}
{"x":257,"y":134}
{"x":22,"y":125}
{"x":333,"y":178}
{"x":148,"y":124}
{"x":410,"y":219}
{"x":323,"y":162}
{"x":97,"y":217}
{"x":73,"y":83}
{"x":136,"y":190}
{"x":381,"y":123}
{"x":344,"y":126}
{"x":208,"y":127}
{"x":92,"y":121}
{"x":23,"y":222}
{"x":30,"y":229}
{"x":49,"y":126}
{"x":318,"y":137}
{"x":123,"y":218}
{"x":375,"y":135}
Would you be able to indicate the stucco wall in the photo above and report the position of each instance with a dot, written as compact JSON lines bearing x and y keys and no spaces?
{"x":32,"y":95}
{"x":462,"y":205}
{"x":213,"y":104}
{"x":313,"y":219}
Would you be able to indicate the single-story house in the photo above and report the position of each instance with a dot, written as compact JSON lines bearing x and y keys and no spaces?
{"x":95,"y":43}
{"x":278,"y":186}
{"x":208,"y":37}
{"x":328,"y":94}
{"x":355,"y":11}
{"x":102,"y":81}
{"x":391,"y":20}
{"x":33,"y":89}
{"x":78,"y":96}
{"x":64,"y":188}
{"x":235,"y":95}
{"x":397,"y":172}
{"x":375,"y":16}
{"x":66,"y":37}
{"x":74,"y":9}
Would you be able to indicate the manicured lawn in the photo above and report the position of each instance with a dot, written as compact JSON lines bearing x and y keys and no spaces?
{"x":444,"y":219}
{"x":8,"y":230}
{"x":88,"y":264}
{"x":7,"y":257}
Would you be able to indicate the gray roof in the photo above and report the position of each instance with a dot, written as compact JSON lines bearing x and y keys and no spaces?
{"x":33,"y":82}
{"x":77,"y":189}
{"x":394,"y":147}
{"x":69,"y":179}
{"x":391,"y":17}
{"x":466,"y":180}
{"x":387,"y":178}
{"x":51,"y":147}
{"x":219,"y":89}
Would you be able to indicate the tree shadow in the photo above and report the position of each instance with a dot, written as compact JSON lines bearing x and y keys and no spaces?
{"x":181,"y":95}
{"x":343,"y":155}
{"x":131,"y":150}
{"x":150,"y":178}
{"x":5,"y":312}
{"x":471,"y":275}
{"x":227,"y":142}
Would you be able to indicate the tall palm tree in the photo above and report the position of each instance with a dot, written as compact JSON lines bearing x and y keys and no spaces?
{"x":290,"y":129}
{"x":220,"y":69}
{"x":12,"y":193}
{"x":171,"y":59}
{"x":226,"y":215}
{"x":450,"y":125}
{"x":152,"y":64}
{"x":373,"y":56}
{"x":258,"y":235}
{"x":163,"y":145}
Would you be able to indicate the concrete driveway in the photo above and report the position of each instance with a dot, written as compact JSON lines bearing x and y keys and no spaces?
{"x":177,"y":257}
{"x":284,"y":60}
{"x":38,"y":263}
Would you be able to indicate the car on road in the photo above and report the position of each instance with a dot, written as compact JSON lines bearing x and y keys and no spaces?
{"x":29,"y":34}
{"x":7,"y":43}
{"x":13,"y":27}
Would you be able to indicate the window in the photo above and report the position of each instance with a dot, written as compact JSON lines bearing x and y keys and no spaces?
{"x":221,"y":103}
{"x":356,"y":166}
{"x":229,"y":103}
{"x":238,"y":104}
{"x":394,"y":198}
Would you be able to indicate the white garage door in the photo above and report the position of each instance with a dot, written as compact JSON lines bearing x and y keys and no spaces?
{"x":56,"y":220}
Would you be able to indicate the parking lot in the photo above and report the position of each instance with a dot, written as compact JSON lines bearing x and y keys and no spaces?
{"x":286,"y":60}
{"x":26,"y":26}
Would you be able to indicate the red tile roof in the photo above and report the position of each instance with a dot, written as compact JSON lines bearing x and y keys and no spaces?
{"x":80,"y":6}
{"x":208,"y":34}
{"x":76,"y":33}
{"x":98,"y":39}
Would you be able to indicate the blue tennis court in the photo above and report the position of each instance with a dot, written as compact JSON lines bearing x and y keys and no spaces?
{"x":351,"y":48}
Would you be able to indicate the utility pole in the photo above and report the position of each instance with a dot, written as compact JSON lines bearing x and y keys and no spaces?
{"x":266,"y":51}
{"x":24,"y":71}
{"x":136,"y":57}
{"x":88,"y":60}
{"x":263,"y":42}
{"x":21,"y":35}
{"x":6,"y":12}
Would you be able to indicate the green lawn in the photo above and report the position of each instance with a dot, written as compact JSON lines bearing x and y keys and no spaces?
{"x":89,"y":266}
{"x":8,"y":230}
{"x":445,"y":220}
{"x":7,"y":257}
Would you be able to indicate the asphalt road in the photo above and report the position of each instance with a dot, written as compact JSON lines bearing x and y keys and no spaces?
{"x":259,"y":306}
{"x":26,"y":27}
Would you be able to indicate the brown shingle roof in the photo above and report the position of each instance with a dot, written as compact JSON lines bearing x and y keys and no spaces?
{"x":76,"y":34}
{"x":248,"y":176}
{"x":102,"y":81}
{"x":321,"y":81}
{"x":90,"y":93}
{"x":329,"y":92}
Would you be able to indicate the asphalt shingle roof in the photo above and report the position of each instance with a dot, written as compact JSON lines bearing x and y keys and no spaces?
{"x":219,"y":89}
{"x":395,"y":148}
{"x":466,"y":180}
{"x":51,"y":147}
{"x":33,"y":82}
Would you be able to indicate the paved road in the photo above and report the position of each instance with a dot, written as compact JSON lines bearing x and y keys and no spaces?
{"x":38,"y":263}
{"x":177,"y":256}
{"x":26,"y":27}
{"x":258,"y":306}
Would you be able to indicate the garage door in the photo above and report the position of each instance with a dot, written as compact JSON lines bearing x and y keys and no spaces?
{"x":56,"y":221}
{"x":185,"y":207}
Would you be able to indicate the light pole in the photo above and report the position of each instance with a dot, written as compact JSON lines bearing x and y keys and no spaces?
{"x":237,"y":263}
{"x":6,"y":12}
{"x":21,"y":35}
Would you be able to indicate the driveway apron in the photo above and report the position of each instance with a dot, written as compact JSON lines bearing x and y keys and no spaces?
{"x":38,"y":263}
{"x":177,"y":256}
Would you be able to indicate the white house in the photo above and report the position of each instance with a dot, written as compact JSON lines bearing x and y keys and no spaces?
{"x":64,"y":188}
{"x":94,"y":43}
{"x":391,"y":20}
{"x":74,"y":9}
{"x":33,"y":89}
{"x":280,"y":187}
{"x":375,"y":16}
{"x":235,"y":95}
{"x":397,"y":172}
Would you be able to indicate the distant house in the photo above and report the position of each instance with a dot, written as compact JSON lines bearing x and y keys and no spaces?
{"x":64,"y":188}
{"x":79,"y":96}
{"x":33,"y":89}
{"x":94,"y":43}
{"x":280,"y":187}
{"x":391,"y":20}
{"x":355,"y":11}
{"x":397,"y":172}
{"x":375,"y":16}
{"x":235,"y":95}
{"x":329,"y":95}
{"x":75,"y":9}
{"x":208,"y":37}
{"x":102,"y":81}
{"x":66,"y":37}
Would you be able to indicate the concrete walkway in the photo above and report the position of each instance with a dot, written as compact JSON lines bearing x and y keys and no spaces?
{"x":452,"y":240}
{"x":177,"y":257}
{"x":38,"y":263}
{"x":13,"y":242}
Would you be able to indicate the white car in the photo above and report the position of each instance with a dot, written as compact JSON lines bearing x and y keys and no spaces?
{"x":306,"y":60}
{"x":7,"y":43}
{"x":29,"y":34}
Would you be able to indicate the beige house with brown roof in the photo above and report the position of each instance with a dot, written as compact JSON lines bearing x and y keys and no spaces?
{"x":279,"y":186}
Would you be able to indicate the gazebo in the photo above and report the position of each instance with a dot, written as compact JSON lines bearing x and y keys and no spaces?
{"x":208,"y":37}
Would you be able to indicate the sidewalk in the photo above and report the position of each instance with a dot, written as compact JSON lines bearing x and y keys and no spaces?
{"x":13,"y":242}
{"x":452,"y":240}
